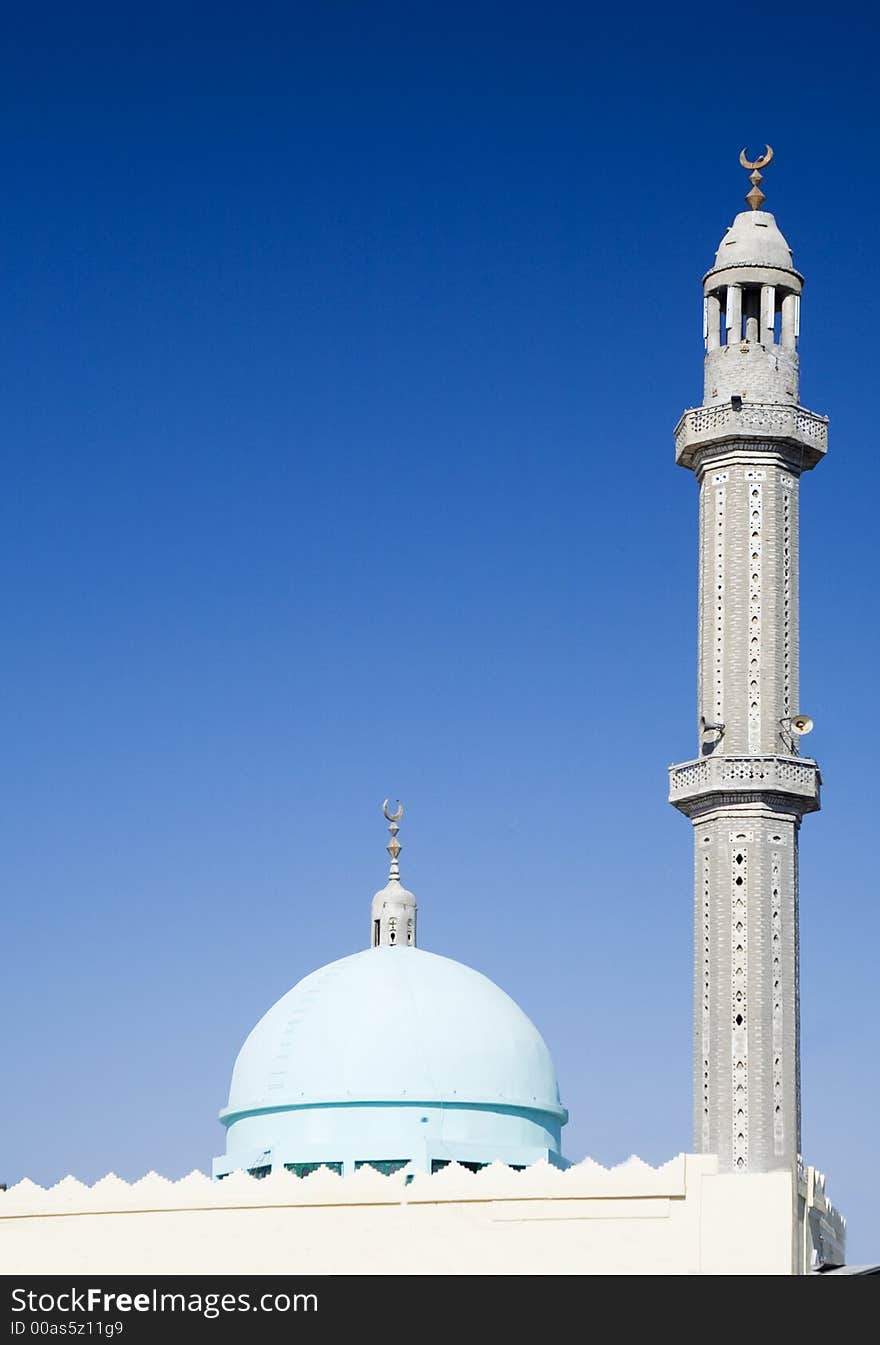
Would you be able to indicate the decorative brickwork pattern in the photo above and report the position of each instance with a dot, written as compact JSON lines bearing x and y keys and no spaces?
{"x":787,"y":483}
{"x":756,"y":520}
{"x":776,"y":971}
{"x":739,"y":938}
{"x":719,"y":481}
{"x":706,"y":1008}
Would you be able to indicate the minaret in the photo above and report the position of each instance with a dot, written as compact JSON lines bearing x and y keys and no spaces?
{"x":748,"y":788}
{"x":393,"y":912}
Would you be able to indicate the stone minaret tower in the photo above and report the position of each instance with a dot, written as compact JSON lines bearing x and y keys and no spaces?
{"x":746,"y":792}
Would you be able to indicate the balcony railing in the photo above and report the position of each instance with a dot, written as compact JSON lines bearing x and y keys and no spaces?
{"x":734,"y":775}
{"x":753,"y":420}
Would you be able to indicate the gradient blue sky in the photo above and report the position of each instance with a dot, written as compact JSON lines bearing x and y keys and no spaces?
{"x":342,"y":347}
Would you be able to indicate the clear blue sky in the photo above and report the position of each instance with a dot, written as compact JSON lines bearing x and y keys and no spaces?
{"x":342,"y":347}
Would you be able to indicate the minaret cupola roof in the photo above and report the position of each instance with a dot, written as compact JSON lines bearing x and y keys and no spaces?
{"x":754,"y":238}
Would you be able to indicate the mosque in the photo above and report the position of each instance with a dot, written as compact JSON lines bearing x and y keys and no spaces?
{"x":396,"y":1111}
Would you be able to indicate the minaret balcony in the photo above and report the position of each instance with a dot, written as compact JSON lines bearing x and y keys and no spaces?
{"x":776,"y":426}
{"x":729,"y":779}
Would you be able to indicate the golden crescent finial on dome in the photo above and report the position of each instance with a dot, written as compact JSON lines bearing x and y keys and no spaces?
{"x":393,"y":847}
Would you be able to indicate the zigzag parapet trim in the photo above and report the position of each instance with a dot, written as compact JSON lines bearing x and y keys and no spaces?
{"x":541,"y":1181}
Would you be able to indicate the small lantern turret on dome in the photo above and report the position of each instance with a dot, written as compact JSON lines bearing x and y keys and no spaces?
{"x":393,"y":911}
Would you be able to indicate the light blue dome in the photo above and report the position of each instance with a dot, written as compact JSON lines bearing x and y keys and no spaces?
{"x":393,"y":1054}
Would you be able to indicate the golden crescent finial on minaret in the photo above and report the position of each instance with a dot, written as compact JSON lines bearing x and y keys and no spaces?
{"x":761,"y":161}
{"x":392,"y":817}
{"x":755,"y":198}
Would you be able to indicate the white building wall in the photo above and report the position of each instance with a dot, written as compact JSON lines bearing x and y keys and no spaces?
{"x":680,"y":1219}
